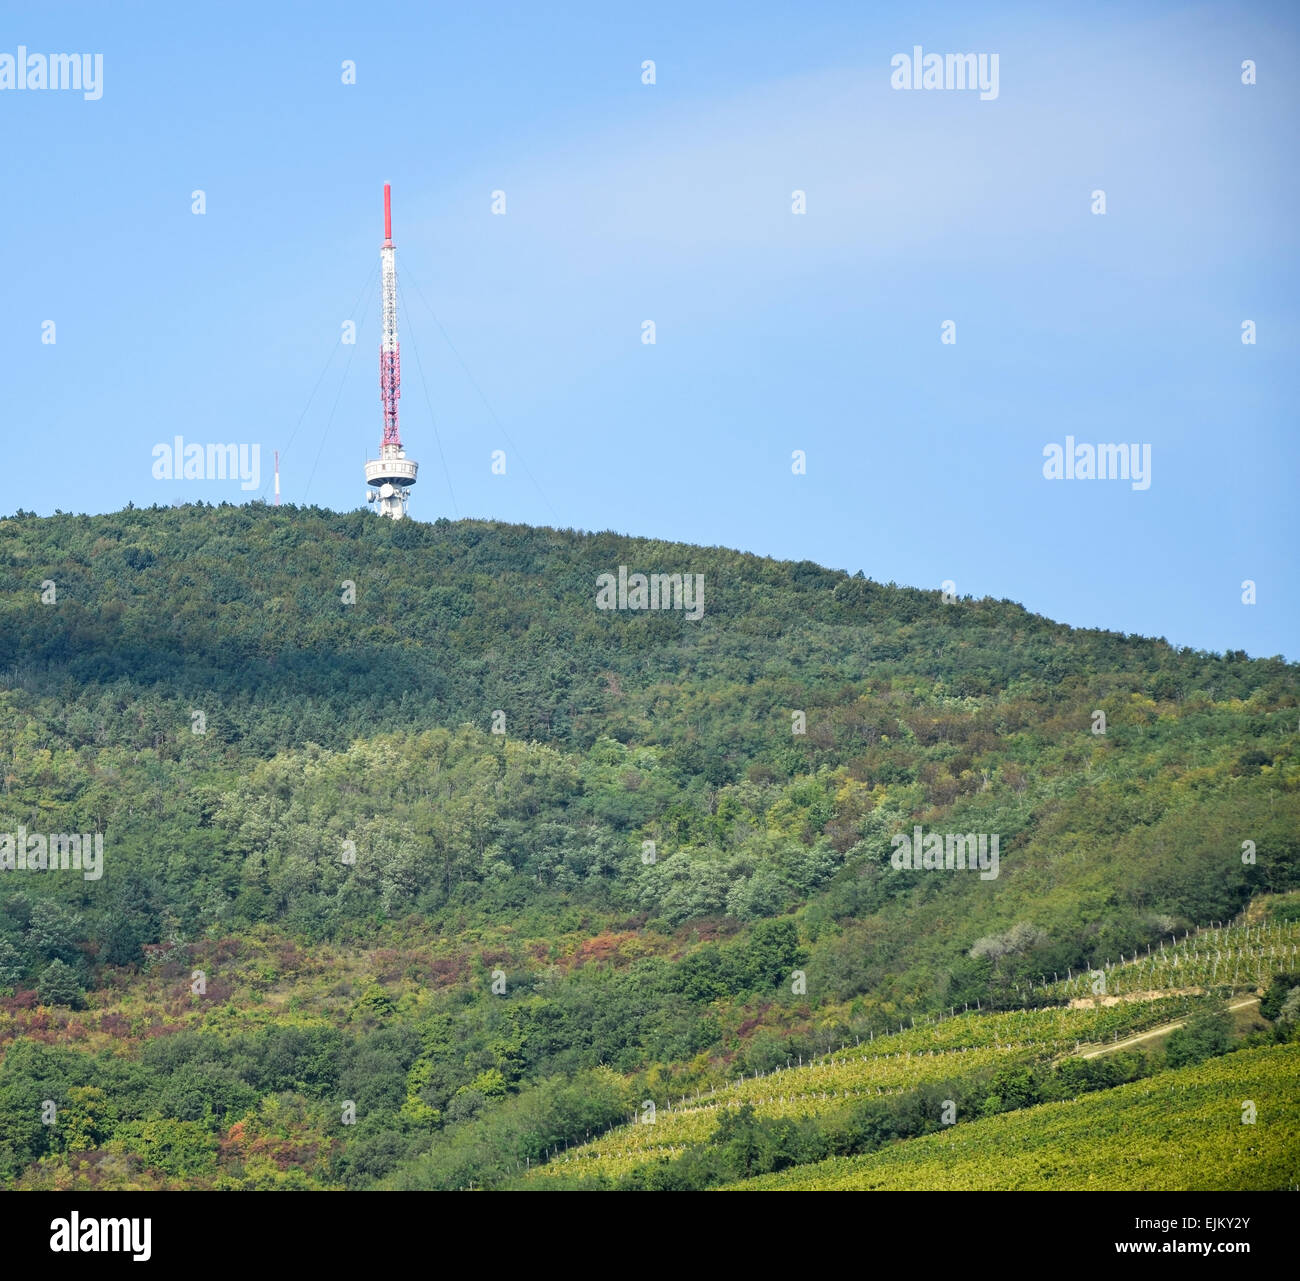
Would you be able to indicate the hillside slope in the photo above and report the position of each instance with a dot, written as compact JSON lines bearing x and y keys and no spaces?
{"x":1181,"y":1131}
{"x":648,"y":869}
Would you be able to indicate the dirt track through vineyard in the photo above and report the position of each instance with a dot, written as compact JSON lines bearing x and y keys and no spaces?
{"x":1162,"y":1030}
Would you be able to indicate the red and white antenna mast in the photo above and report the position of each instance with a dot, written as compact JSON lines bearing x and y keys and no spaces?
{"x":392,"y":474}
{"x":277,"y":478}
{"x":390,"y":354}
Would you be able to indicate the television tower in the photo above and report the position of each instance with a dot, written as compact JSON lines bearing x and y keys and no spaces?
{"x":391,"y":475}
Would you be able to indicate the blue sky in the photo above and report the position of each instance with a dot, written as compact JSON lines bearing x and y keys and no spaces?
{"x":672,"y":203}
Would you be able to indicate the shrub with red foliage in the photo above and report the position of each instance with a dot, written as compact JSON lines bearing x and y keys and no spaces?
{"x":114,"y":1024}
{"x":447,"y":969}
{"x":231,"y":1143}
{"x":604,"y":948}
{"x":750,"y":1024}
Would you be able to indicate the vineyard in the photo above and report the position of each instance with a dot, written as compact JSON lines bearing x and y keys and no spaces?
{"x":1231,"y":1122}
{"x":1221,"y":960}
{"x":894,"y":1064}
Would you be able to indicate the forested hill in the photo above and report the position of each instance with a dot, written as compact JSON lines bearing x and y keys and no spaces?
{"x":244,"y":606}
{"x":450,"y":841}
{"x":318,"y":651}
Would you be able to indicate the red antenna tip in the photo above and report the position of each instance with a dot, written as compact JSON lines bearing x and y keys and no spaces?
{"x":388,"y":212}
